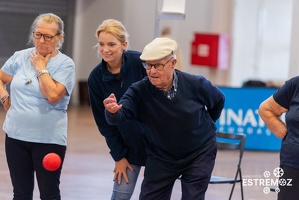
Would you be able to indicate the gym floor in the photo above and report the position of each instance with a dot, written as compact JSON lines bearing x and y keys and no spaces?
{"x":87,"y":171}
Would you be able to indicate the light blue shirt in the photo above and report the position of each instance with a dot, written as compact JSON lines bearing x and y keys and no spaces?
{"x":31,"y":117}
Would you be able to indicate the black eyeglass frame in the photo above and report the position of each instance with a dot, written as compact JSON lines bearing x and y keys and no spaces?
{"x":158,"y":66}
{"x":46,"y":37}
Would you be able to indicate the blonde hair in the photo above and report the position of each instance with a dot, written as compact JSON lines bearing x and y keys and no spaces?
{"x":114,"y":27}
{"x":48,"y":18}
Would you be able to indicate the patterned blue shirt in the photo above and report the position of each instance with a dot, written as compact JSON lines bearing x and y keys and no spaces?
{"x":173,"y":90}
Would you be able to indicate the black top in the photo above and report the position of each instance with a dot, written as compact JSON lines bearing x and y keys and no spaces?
{"x":125,"y":140}
{"x":288,"y":97}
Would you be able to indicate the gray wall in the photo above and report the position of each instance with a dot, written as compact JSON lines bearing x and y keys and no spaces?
{"x":139,"y":17}
{"x":250,"y":57}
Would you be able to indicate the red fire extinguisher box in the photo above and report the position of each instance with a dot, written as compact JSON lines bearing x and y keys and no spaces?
{"x":211,"y":50}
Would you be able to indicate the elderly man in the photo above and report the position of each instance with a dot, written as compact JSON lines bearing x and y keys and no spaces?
{"x":179,"y":110}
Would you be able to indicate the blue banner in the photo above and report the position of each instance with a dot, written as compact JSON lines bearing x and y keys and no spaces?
{"x":240,"y":115}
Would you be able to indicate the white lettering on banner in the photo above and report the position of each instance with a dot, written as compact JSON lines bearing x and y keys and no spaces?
{"x":243,"y":121}
{"x":251,"y":117}
{"x":266,"y":181}
{"x":260,"y":182}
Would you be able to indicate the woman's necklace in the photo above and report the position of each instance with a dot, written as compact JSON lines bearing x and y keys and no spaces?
{"x":28,"y":76}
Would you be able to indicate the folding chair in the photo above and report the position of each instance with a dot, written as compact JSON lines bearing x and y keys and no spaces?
{"x":231,"y":141}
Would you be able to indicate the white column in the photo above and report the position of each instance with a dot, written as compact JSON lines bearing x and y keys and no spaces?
{"x":294,"y":58}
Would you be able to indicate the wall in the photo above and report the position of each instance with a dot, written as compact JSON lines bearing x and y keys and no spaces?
{"x":139,"y":17}
{"x":262,"y":37}
{"x":205,"y":16}
{"x":255,"y":54}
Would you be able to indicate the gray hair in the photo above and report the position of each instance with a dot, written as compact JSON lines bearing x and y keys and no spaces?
{"x":48,"y":18}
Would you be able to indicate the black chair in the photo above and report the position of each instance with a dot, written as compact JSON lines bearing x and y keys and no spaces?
{"x":231,"y":141}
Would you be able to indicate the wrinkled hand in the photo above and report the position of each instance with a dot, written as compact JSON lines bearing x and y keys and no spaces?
{"x":38,"y":61}
{"x":111,"y":105}
{"x":6,"y":104}
{"x":120,"y":170}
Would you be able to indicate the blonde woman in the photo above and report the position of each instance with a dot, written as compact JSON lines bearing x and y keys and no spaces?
{"x":118,"y":69}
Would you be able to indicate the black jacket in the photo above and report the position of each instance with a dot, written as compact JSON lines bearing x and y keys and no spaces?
{"x":125,"y":140}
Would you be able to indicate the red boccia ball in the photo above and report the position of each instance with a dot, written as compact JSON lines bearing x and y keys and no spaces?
{"x":51,"y":161}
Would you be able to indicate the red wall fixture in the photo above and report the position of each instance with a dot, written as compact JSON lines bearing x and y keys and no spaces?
{"x":211,"y":50}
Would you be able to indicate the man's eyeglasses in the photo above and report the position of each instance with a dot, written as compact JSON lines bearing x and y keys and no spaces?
{"x":158,"y":66}
{"x":46,"y":37}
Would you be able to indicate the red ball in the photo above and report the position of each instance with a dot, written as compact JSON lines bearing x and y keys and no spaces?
{"x":51,"y":161}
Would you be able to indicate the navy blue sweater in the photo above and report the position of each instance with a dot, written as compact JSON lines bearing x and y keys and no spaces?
{"x":179,"y":126}
{"x":288,"y":97}
{"x":123,"y":140}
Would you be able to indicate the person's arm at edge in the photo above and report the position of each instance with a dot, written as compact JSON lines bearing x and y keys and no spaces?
{"x":4,"y":80}
{"x":270,"y":112}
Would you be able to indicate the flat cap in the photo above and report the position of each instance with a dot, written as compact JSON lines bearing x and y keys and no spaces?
{"x":158,"y":48}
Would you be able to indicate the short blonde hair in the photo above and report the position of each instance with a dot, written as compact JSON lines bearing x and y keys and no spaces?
{"x":114,"y":27}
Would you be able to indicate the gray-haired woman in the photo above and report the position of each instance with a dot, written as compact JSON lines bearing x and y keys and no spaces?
{"x":41,"y":81}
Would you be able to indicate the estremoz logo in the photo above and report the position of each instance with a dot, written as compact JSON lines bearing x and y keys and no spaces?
{"x":266,"y":181}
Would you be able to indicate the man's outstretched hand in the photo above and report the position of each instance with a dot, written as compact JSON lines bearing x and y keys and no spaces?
{"x":110,"y":104}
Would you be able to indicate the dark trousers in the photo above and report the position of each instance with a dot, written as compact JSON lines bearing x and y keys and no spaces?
{"x":196,"y":170}
{"x":25,"y":158}
{"x":289,"y":184}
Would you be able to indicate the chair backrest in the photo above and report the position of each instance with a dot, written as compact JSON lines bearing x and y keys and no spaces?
{"x":232,"y":141}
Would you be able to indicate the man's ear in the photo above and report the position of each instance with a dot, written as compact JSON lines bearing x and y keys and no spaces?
{"x":174,"y":62}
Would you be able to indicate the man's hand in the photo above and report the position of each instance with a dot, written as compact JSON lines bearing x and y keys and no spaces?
{"x":110,"y":104}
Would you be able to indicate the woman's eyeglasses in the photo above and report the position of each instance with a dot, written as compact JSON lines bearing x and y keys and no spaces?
{"x":46,"y":37}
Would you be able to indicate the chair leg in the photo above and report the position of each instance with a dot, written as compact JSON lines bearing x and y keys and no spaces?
{"x":241,"y":182}
{"x":241,"y":185}
{"x":231,"y":192}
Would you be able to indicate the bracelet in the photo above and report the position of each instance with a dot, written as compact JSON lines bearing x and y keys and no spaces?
{"x":4,"y":98}
{"x":42,"y":72}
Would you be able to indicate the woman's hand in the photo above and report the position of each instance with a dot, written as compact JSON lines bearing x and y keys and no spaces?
{"x":120,"y":170}
{"x":6,"y":104}
{"x":38,"y":61}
